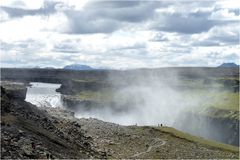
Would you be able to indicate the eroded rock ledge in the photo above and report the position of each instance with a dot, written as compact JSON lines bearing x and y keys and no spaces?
{"x":15,"y":90}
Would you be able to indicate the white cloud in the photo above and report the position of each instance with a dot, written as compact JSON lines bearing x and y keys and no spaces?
{"x":230,"y":4}
{"x":3,"y":16}
{"x":224,"y":14}
{"x":26,"y":4}
{"x":42,"y":40}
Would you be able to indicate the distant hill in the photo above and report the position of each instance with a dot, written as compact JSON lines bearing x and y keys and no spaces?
{"x":78,"y":67}
{"x":228,"y":65}
{"x":49,"y":68}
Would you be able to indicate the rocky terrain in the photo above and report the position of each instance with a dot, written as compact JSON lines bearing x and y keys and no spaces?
{"x":17,"y":90}
{"x":144,"y":141}
{"x":37,"y":133}
{"x":28,"y":132}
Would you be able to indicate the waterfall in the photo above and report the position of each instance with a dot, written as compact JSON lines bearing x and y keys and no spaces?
{"x":44,"y":94}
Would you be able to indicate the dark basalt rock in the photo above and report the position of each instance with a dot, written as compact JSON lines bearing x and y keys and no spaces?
{"x":14,"y":89}
{"x":72,"y":87}
{"x":75,"y":104}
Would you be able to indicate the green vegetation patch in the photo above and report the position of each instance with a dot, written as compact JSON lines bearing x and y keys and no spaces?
{"x":12,"y":85}
{"x":102,"y":96}
{"x":85,"y":80}
{"x":224,"y":100}
{"x":214,"y":103}
{"x":200,"y":140}
{"x":223,"y":104}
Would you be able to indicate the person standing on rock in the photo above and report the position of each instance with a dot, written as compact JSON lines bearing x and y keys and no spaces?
{"x":33,"y":146}
{"x":47,"y":154}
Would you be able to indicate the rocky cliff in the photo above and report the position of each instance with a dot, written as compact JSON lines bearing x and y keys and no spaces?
{"x":221,"y":129}
{"x":15,"y":90}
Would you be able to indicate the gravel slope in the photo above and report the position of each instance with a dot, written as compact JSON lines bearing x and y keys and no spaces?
{"x":143,"y":142}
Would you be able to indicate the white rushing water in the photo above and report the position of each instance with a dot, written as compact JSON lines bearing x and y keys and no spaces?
{"x":44,"y":94}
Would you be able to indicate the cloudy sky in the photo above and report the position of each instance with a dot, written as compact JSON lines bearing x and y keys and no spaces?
{"x":118,"y":34}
